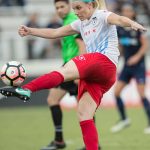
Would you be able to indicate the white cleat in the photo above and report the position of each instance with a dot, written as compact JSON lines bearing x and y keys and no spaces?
{"x":120,"y":125}
{"x":147,"y":130}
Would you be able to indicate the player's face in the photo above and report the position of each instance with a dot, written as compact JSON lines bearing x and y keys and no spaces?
{"x":82,"y":10}
{"x":62,"y":9}
{"x":128,"y":12}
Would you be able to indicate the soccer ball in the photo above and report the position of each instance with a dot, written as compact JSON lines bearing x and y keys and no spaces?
{"x":13,"y":73}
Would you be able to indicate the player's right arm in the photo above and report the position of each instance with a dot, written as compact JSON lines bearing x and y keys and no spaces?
{"x":47,"y":32}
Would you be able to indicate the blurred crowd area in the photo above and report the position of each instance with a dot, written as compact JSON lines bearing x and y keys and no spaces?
{"x":41,"y":13}
{"x":142,"y":8}
{"x":12,"y":3}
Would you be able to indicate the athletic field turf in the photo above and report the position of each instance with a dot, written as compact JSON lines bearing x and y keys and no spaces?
{"x":29,"y":128}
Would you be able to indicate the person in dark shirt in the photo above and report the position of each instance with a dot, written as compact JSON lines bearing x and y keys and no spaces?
{"x":134,"y":45}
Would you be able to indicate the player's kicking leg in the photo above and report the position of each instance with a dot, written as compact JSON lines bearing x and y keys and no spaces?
{"x":46,"y":81}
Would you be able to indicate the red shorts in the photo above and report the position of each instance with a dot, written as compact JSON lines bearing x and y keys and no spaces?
{"x":97,"y":75}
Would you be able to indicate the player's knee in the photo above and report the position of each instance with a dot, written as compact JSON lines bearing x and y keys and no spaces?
{"x":142,"y":95}
{"x":81,"y":115}
{"x":84,"y":115}
{"x":51,"y":101}
{"x":117,"y":93}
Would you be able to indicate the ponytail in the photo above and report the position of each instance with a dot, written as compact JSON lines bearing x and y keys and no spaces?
{"x":101,"y":4}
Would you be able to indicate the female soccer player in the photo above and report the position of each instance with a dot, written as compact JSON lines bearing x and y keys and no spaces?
{"x":72,"y":46}
{"x":134,"y":45}
{"x":96,"y":69}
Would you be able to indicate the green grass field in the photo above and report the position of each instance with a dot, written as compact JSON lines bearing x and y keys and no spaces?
{"x":30,"y":128}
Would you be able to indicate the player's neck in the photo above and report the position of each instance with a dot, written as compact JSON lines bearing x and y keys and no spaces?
{"x":91,"y":13}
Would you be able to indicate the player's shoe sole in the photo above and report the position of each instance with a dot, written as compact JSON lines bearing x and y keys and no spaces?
{"x":22,"y":94}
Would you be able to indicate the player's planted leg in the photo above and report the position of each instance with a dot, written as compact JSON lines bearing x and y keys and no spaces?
{"x":99,"y":147}
{"x":86,"y":111}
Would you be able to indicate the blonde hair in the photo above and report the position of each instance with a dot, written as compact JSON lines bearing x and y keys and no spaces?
{"x":100,"y":4}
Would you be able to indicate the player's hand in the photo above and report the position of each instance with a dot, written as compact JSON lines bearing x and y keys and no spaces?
{"x":23,"y":30}
{"x":133,"y":60}
{"x":136,"y":26}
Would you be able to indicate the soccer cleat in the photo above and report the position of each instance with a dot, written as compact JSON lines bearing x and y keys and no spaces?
{"x":83,"y":148}
{"x":54,"y":145}
{"x":147,"y":130}
{"x":120,"y":125}
{"x":22,"y":94}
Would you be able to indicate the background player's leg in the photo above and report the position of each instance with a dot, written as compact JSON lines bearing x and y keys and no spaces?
{"x":124,"y":121}
{"x":86,"y":111}
{"x":146,"y":104}
{"x":54,"y":97}
{"x":119,"y":102}
{"x":53,"y":100}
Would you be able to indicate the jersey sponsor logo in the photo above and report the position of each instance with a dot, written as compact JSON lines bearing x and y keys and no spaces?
{"x":89,"y":32}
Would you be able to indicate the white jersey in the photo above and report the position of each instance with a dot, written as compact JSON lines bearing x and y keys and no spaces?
{"x":98,"y":35}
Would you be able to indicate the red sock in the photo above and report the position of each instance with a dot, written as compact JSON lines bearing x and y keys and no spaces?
{"x":46,"y":81}
{"x":90,"y":135}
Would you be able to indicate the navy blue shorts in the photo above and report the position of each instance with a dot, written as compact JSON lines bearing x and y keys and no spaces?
{"x":137,"y":72}
{"x":70,"y":87}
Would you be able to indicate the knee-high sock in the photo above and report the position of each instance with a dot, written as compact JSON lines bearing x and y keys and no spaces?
{"x":57,"y":117}
{"x":121,"y":108}
{"x":146,"y":105}
{"x":90,"y":135}
{"x":46,"y":81}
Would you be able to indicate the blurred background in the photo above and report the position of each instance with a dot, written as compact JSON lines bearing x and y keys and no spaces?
{"x":22,"y":124}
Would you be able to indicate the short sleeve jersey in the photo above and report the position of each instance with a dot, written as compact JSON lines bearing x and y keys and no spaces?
{"x":70,"y":48}
{"x":99,"y":35}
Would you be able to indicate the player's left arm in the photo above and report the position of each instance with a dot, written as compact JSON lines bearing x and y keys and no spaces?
{"x":137,"y":57}
{"x":80,"y":44}
{"x":124,"y":22}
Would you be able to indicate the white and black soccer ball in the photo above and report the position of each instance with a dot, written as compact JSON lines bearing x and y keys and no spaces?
{"x":13,"y":73}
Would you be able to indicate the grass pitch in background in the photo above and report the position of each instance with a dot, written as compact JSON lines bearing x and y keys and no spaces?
{"x":30,"y":128}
